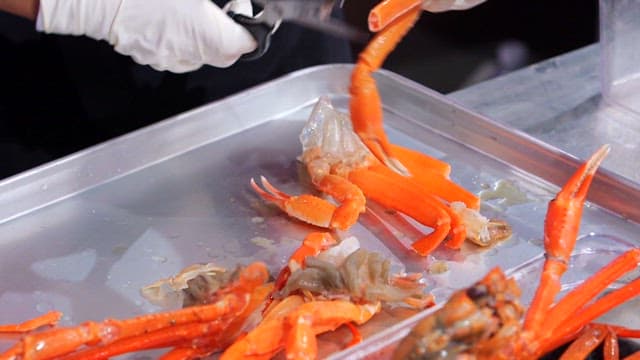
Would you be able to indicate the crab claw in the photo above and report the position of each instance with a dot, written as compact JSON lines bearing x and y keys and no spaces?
{"x":564,"y":212}
{"x":308,"y":208}
{"x":317,"y":211}
{"x":560,"y":233}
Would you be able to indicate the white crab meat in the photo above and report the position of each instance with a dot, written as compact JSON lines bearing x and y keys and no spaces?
{"x":476,"y":224}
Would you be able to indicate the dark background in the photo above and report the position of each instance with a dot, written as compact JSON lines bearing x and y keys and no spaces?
{"x":61,"y":94}
{"x":448,"y":51}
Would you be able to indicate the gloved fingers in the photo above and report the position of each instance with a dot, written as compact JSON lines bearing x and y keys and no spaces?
{"x":177,"y":67}
{"x":179,"y":36}
{"x":160,"y":59}
{"x":163,"y":63}
{"x":243,"y":7}
{"x":159,"y":62}
{"x":174,"y":35}
{"x":92,"y":18}
{"x":226,"y":40}
{"x":446,"y":5}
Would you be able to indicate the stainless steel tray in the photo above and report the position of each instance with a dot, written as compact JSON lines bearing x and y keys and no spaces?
{"x":84,"y":233}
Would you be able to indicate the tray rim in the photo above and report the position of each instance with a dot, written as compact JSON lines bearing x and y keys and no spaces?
{"x":45,"y":184}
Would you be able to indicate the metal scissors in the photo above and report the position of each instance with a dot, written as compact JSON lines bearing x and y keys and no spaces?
{"x":314,"y":14}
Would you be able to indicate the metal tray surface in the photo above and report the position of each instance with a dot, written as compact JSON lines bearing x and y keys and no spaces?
{"x":85,"y":233}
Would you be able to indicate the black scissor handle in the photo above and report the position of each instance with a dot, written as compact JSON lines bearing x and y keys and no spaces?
{"x":259,"y":30}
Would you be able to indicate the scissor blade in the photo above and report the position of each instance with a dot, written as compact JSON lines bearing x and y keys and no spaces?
{"x":291,"y":9}
{"x":314,"y":14}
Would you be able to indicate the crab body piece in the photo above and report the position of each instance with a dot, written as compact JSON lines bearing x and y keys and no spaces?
{"x":343,"y":168}
{"x":328,"y":285}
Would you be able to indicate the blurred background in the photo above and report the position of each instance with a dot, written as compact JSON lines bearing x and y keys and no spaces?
{"x":61,"y":94}
{"x":452,"y":50}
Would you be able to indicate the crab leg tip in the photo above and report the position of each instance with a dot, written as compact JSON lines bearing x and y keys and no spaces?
{"x":598,"y":157}
{"x":272,"y":189}
{"x":267,"y":194}
{"x":255,"y":186}
{"x":577,"y":186}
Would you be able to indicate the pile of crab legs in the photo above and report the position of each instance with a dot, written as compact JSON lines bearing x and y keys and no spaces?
{"x":483,"y":321}
{"x":487,"y":320}
{"x":325,"y":285}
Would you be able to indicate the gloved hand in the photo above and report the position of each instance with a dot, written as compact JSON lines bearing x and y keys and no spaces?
{"x":174,"y":35}
{"x":446,"y":5}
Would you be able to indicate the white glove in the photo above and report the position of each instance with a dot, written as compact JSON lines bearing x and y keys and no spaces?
{"x":174,"y":35}
{"x":446,"y":5}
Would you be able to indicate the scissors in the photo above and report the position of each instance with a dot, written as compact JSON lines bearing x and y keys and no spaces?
{"x":314,"y":14}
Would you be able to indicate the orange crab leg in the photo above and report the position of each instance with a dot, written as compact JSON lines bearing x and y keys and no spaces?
{"x":57,"y":342}
{"x":258,"y":298}
{"x":317,"y":317}
{"x":567,"y":335}
{"x":573,"y":325}
{"x":61,"y":341}
{"x":365,"y":105}
{"x":389,"y":10}
{"x":356,"y":337}
{"x":165,"y":337}
{"x":217,"y":335}
{"x":577,"y":298}
{"x":560,"y":234}
{"x":604,"y":304}
{"x":301,"y":342}
{"x":399,"y":194}
{"x":351,"y":199}
{"x":268,"y":338}
{"x":293,"y":324}
{"x":436,"y":185}
{"x":447,"y":189}
{"x":457,"y":232}
{"x":417,"y":161}
{"x":154,"y":322}
{"x":433,"y":175}
{"x":626,"y":332}
{"x":13,"y":353}
{"x":312,"y":245}
{"x":308,"y":208}
{"x":611,"y":346}
{"x":51,"y":318}
{"x":317,"y":211}
{"x":584,"y":345}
